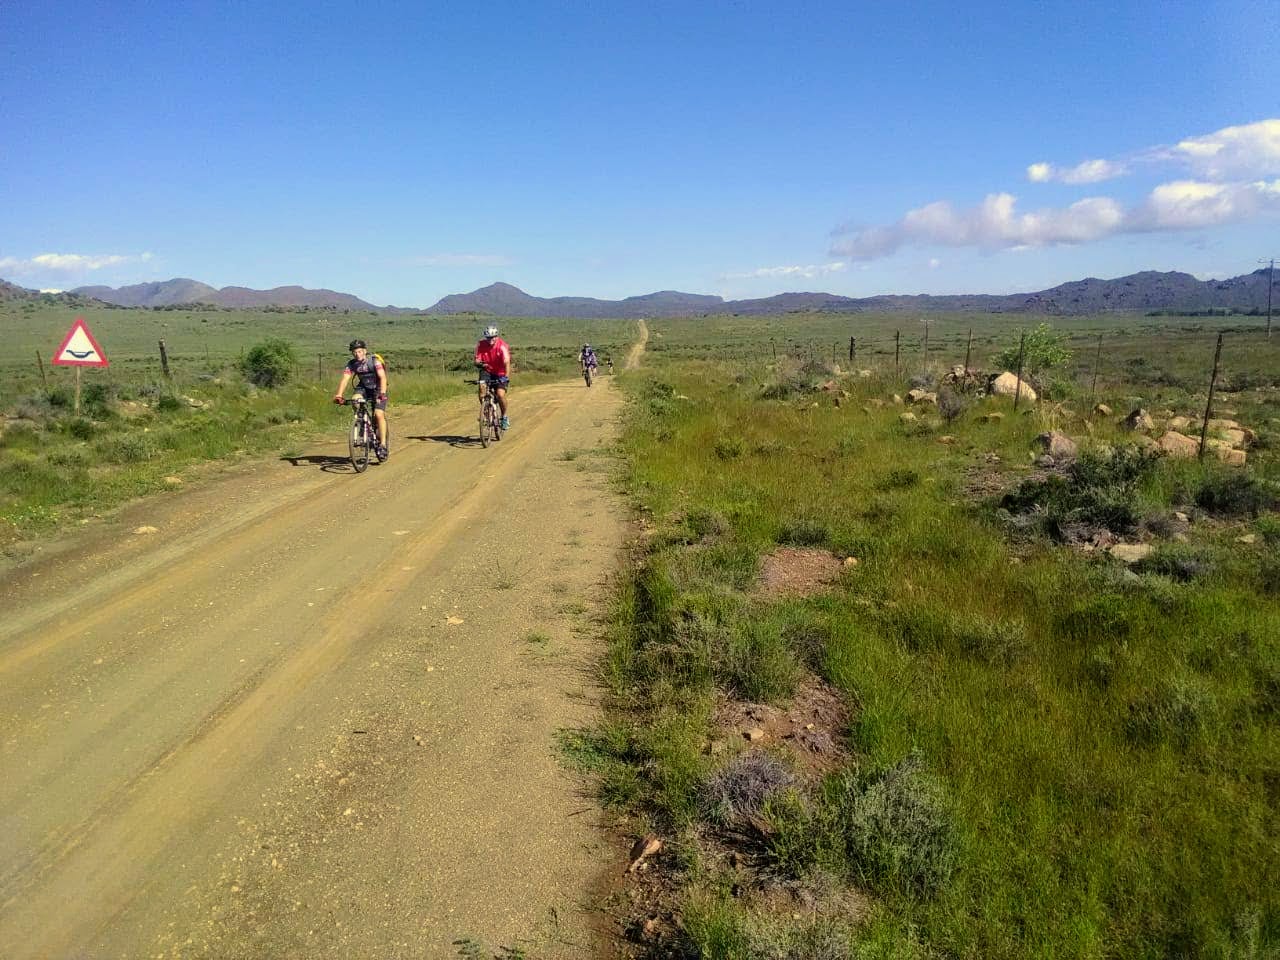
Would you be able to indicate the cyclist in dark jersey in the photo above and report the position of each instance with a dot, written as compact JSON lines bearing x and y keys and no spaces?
{"x":371,"y":382}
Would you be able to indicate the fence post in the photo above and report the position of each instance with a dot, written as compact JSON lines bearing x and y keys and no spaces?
{"x":164,"y":360}
{"x":1208,"y":407}
{"x":968,"y":351}
{"x":44,"y":382}
{"x":926,"y":345}
{"x":319,"y":366}
{"x":852,"y":349}
{"x":1017,"y":390}
{"x":897,"y":343}
{"x":1097,"y":361}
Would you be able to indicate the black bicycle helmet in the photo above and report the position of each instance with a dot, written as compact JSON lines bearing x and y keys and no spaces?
{"x":356,"y":344}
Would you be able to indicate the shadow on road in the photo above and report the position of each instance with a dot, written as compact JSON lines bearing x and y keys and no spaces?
{"x":327,"y":463}
{"x":451,"y":440}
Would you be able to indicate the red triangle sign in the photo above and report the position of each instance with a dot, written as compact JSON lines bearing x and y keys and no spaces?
{"x":79,"y":349}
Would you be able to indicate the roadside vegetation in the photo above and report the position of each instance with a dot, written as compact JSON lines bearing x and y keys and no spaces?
{"x":963,"y":723}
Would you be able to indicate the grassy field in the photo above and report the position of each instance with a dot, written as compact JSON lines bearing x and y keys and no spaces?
{"x":1047,"y":753}
{"x":138,"y":431}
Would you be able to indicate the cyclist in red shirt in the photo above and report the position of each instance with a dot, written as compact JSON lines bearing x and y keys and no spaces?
{"x":493,"y":357}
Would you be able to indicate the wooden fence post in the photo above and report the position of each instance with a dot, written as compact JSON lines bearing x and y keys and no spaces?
{"x":1017,"y":390}
{"x":897,"y":344}
{"x":968,"y":352}
{"x":1208,"y":407}
{"x":319,"y":366}
{"x":926,"y":345}
{"x":1097,"y":361}
{"x":164,"y":360}
{"x":44,"y":381}
{"x":852,"y":349}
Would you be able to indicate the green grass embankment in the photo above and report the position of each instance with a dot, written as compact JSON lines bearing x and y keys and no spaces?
{"x":1050,"y":754}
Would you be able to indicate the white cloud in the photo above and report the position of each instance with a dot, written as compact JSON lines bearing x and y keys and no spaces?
{"x":807,"y":272}
{"x":69,"y":262}
{"x":1090,"y":171}
{"x":934,"y":263}
{"x":461,"y":260}
{"x":1192,"y":204}
{"x":995,"y":224}
{"x":1243,"y":152}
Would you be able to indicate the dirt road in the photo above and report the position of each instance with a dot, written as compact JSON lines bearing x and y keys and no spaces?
{"x":314,"y":715}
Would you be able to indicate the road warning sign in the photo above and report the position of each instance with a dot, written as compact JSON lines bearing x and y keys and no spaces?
{"x":79,"y":349}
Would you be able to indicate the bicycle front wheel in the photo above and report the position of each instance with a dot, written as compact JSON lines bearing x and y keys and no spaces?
{"x":359,"y":444}
{"x":586,"y":375}
{"x":484,"y":425}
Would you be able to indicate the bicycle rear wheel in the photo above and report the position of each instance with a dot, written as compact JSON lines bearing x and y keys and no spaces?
{"x":359,"y":444}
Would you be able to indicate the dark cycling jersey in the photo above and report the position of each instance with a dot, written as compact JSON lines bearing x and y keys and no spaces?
{"x":366,"y":371}
{"x":588,"y":358}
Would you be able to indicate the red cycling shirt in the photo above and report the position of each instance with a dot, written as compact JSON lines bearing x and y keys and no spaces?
{"x":495,"y":355}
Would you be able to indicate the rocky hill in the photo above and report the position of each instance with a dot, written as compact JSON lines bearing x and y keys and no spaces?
{"x":1146,"y":291}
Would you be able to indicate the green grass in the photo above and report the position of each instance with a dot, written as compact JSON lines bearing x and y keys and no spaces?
{"x":1051,"y":755}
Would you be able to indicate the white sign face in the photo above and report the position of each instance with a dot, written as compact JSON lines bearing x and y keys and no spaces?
{"x":79,"y":349}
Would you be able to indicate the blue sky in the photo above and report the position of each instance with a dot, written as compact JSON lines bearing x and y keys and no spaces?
{"x":404,"y":151}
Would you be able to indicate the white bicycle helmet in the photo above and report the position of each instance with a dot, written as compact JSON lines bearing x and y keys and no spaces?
{"x":490,"y":332}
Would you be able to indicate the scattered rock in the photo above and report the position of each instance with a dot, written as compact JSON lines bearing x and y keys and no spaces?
{"x":642,"y":849}
{"x":1138,"y":421}
{"x":1233,"y":436}
{"x":829,"y":386}
{"x":921,"y":396}
{"x":850,"y":561}
{"x":908,"y":417}
{"x":1179,"y":446}
{"x":145,"y":531}
{"x":453,"y":621}
{"x":1058,"y":445}
{"x":947,"y":438}
{"x":1130,"y":552}
{"x":754,"y":734}
{"x":1006,"y":385}
{"x":1181,"y":517}
{"x":994,"y":417}
{"x":1102,"y":410}
{"x":1045,"y":461}
{"x":1217,"y":424}
{"x":1247,"y":538}
{"x":172,"y":481}
{"x":897,"y":399}
{"x":1179,"y":423}
{"x":1233,"y":458}
{"x":864,"y":374}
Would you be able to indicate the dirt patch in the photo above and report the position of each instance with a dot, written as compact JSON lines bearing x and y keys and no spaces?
{"x":798,"y":572}
{"x":812,"y":727}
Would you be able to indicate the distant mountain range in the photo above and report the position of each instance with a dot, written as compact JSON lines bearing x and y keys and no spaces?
{"x":1149,"y":290}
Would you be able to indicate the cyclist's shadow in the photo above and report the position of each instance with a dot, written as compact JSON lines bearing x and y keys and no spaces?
{"x":451,"y":439}
{"x":328,"y":463}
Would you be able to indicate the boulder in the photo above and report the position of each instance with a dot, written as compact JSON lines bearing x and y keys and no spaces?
{"x":994,"y":417}
{"x":1057,"y":445}
{"x":921,"y":396}
{"x":1045,"y":461}
{"x":1130,"y":552}
{"x":1006,"y":385}
{"x":1233,"y":458}
{"x":1179,"y":423}
{"x":1217,"y":424}
{"x":1138,"y":421}
{"x":897,"y":399}
{"x":1234,"y":437}
{"x":1179,"y":445}
{"x":864,"y":374}
{"x":1102,"y":410}
{"x":907,"y":417}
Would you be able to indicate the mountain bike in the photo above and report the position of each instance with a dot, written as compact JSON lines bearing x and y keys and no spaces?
{"x":588,"y":371}
{"x":363,"y":438}
{"x":490,"y":413}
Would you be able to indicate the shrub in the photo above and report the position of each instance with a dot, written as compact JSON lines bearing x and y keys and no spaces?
{"x":1234,"y":493}
{"x":81,"y":428}
{"x":168,"y":403}
{"x":736,"y":794}
{"x":896,"y":827}
{"x":1177,"y":712}
{"x":270,"y":363}
{"x":899,"y":478}
{"x":951,"y":404}
{"x":1044,"y":350}
{"x":803,"y":532}
{"x":127,"y":448}
{"x":728,"y":448}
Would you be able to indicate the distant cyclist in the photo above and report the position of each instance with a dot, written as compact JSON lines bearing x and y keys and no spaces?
{"x":608,"y":362}
{"x":587,"y":360}
{"x":493,"y":357}
{"x":371,"y":383}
